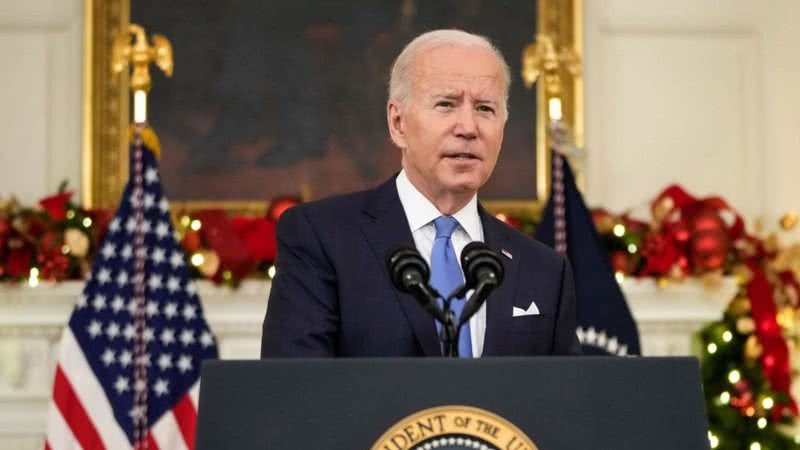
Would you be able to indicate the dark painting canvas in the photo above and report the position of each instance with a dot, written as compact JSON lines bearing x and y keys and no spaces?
{"x":271,"y":95}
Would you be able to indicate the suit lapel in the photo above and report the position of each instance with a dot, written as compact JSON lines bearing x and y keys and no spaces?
{"x":501,"y":302}
{"x":386,"y":227}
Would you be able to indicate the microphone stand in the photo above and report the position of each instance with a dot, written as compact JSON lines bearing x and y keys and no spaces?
{"x":451,"y":331}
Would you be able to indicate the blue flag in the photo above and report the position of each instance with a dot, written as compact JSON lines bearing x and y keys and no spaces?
{"x":605,"y":324}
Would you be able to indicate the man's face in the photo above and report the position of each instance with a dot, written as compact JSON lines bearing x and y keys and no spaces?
{"x":451,"y":127}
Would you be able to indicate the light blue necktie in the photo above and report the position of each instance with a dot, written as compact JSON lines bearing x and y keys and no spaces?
{"x":446,"y":277}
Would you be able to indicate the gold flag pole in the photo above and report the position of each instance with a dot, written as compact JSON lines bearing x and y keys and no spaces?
{"x":132,"y":48}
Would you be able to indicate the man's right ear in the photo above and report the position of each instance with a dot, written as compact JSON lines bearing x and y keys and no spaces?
{"x":394,"y":119}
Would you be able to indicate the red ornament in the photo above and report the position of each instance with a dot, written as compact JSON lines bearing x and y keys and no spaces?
{"x":191,"y":241}
{"x":55,"y":268}
{"x":742,"y":397}
{"x":5,"y":232}
{"x":280,"y":204}
{"x":258,"y":235}
{"x":220,"y":235}
{"x":19,"y":261}
{"x":660,"y":253}
{"x":709,"y":242}
{"x":56,"y":205}
{"x":620,"y":262}
{"x":50,"y":243}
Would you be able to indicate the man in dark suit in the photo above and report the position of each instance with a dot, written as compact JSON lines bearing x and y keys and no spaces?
{"x":332,"y":294}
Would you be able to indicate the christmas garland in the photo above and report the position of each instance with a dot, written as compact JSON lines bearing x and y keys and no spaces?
{"x":55,"y":240}
{"x":746,"y":364}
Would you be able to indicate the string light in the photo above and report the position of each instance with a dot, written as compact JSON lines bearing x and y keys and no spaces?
{"x":620,"y":277}
{"x":271,"y":272}
{"x":33,"y":277}
{"x":632,"y":248}
{"x":87,"y":222}
{"x":227,"y":275}
{"x":767,"y":403}
{"x":198,"y":259}
{"x":186,"y":221}
{"x":727,"y":336}
{"x":70,"y":214}
{"x":762,"y":423}
{"x":725,"y":397}
{"x":755,"y":446}
{"x":750,"y":411}
{"x":196,"y":225}
{"x":734,"y":376}
{"x":65,"y":249}
{"x":619,"y":230}
{"x":713,"y":440}
{"x":712,"y":348}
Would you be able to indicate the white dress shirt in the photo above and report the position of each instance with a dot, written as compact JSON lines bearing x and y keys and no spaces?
{"x":421,"y":213}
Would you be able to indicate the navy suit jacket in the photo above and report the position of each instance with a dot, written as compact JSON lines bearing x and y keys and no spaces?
{"x":332,"y":296}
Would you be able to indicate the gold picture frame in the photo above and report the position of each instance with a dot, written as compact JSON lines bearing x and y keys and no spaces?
{"x":106,"y":110}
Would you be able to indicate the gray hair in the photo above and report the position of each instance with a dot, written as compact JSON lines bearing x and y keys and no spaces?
{"x":400,"y":80}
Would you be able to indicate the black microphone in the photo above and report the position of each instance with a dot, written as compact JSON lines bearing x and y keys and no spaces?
{"x":410,"y":274}
{"x":483,"y":271}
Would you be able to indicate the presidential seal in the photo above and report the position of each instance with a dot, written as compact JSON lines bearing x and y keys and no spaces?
{"x":454,"y":428}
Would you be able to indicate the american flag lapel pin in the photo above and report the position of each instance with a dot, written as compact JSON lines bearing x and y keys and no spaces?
{"x":506,"y":253}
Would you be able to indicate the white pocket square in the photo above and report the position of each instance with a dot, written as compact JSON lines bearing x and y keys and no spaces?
{"x":532,"y":310}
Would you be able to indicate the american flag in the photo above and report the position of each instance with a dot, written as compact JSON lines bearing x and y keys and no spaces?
{"x":128,"y":369}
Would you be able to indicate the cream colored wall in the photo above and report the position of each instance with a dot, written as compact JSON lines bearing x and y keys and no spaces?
{"x":40,"y":96}
{"x":701,"y":92}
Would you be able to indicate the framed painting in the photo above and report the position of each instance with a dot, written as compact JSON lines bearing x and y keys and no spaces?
{"x":270,"y":98}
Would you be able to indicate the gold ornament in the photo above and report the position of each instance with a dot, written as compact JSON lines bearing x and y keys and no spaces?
{"x":752,"y":348}
{"x":605,"y":224}
{"x":788,"y":259}
{"x":139,"y":54}
{"x":789,"y":220}
{"x":771,"y":244}
{"x":210,"y":263}
{"x":743,"y":274}
{"x":77,"y":241}
{"x":676,"y":273}
{"x":739,"y":306}
{"x":662,"y":208}
{"x":786,"y":317}
{"x":712,"y":280}
{"x":745,"y":325}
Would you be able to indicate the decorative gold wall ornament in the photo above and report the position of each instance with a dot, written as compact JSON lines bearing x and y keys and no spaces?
{"x":139,"y":55}
{"x":542,"y":59}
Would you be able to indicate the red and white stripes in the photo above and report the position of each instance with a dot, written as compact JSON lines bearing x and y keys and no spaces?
{"x":80,"y":415}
